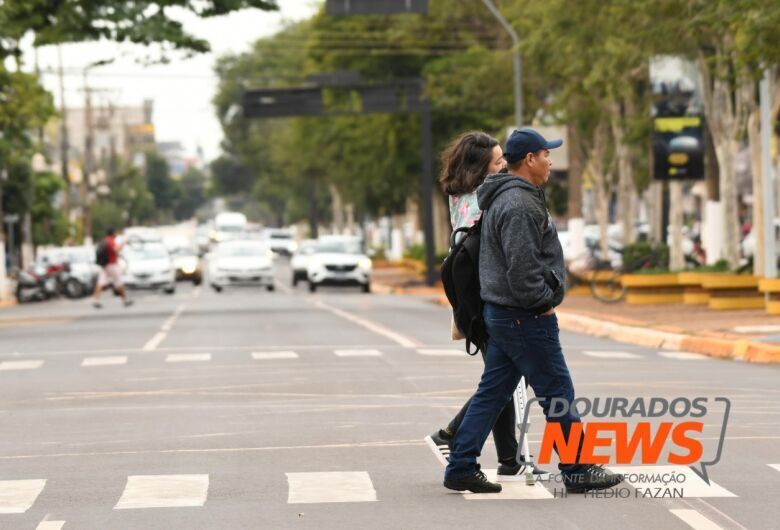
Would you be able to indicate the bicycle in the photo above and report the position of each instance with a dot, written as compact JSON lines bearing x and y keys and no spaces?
{"x":608,"y":286}
{"x":589,"y":270}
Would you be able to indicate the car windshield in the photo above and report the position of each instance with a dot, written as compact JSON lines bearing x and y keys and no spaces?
{"x":231,"y":251}
{"x":183,"y":252}
{"x":281,"y":236}
{"x":145,"y":252}
{"x":231,"y":228}
{"x":339,"y":247}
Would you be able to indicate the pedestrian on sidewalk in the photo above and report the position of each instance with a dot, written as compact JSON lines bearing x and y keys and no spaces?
{"x":107,"y":253}
{"x":521,"y":273}
{"x":466,"y":162}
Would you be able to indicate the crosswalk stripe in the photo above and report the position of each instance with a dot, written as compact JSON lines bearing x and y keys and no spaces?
{"x":357,"y":353}
{"x":611,"y":354}
{"x":163,"y":491}
{"x":683,"y":355}
{"x":104,"y":361}
{"x":516,"y":490}
{"x":695,"y":520}
{"x":443,"y":353}
{"x":267,"y":355}
{"x":17,"y":496}
{"x":774,"y":466}
{"x":693,"y":485}
{"x":187,"y":357}
{"x":333,"y":486}
{"x":50,"y":525}
{"x":20,"y":365}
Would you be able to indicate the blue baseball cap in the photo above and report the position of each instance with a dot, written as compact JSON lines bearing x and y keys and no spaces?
{"x":525,"y":141}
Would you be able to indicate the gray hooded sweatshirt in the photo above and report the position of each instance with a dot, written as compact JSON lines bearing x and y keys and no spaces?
{"x":520,"y":258}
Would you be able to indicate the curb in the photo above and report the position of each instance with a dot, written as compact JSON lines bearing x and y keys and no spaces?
{"x":739,"y":350}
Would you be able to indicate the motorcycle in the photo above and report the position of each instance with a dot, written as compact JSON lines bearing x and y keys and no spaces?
{"x":48,"y":281}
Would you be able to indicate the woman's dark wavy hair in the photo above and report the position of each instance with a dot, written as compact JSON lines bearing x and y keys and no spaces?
{"x":465,"y":161}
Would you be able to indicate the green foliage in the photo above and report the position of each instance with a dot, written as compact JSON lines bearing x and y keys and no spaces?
{"x":193,"y":196}
{"x":646,"y":256}
{"x":50,"y":226}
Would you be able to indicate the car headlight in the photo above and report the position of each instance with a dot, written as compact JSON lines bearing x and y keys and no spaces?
{"x":364,"y":263}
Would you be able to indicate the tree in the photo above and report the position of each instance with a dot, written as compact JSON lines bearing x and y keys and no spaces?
{"x":193,"y":185}
{"x":164,"y":189}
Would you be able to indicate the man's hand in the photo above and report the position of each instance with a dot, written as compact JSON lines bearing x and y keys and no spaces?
{"x":550,"y":312}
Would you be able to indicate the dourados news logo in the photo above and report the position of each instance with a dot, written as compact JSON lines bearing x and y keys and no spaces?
{"x":606,"y":436}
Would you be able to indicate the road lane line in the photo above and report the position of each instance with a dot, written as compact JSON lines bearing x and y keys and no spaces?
{"x":357,"y":353}
{"x":155,"y":341}
{"x":442,"y":352}
{"x":263,"y":356}
{"x":695,"y":520}
{"x":168,"y":324}
{"x":50,"y":525}
{"x":334,"y":486}
{"x":163,"y":491}
{"x":683,"y":355}
{"x":774,"y":466}
{"x":104,"y":361}
{"x":20,"y":365}
{"x":379,"y":329}
{"x":611,"y":354}
{"x":17,"y":496}
{"x":188,"y":357}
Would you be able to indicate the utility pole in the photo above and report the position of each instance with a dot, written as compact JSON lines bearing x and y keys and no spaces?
{"x":89,"y":166}
{"x":517,"y":61}
{"x":767,"y":180}
{"x":64,"y":137}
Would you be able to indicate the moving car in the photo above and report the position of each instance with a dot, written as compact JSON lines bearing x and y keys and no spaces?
{"x":187,"y":264}
{"x":282,"y":241}
{"x":339,"y":260}
{"x":241,"y":262}
{"x":300,"y":260}
{"x":148,"y":266}
{"x":228,"y":226}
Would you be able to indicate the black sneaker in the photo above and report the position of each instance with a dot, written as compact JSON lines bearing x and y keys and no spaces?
{"x":441,"y":445}
{"x":476,"y":483}
{"x":591,"y":478}
{"x":97,"y":305}
{"x":128,"y":303}
{"x":520,"y":468}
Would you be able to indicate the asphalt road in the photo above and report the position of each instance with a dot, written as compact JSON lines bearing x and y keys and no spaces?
{"x":250,"y":409}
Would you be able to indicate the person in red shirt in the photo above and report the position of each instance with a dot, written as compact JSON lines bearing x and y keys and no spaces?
{"x":111,"y":273}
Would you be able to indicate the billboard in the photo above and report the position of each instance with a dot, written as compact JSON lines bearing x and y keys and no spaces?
{"x":678,"y":123}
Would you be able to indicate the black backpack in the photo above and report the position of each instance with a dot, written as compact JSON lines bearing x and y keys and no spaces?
{"x":101,"y":253}
{"x":460,"y":276}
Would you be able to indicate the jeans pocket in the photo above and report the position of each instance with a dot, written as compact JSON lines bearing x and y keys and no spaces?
{"x":507,"y":323}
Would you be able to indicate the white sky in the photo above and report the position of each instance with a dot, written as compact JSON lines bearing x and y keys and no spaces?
{"x":182,"y":91}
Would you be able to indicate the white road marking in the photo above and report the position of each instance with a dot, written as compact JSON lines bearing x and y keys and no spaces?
{"x":104,"y":361}
{"x":166,"y":326}
{"x":379,"y":329}
{"x":357,"y":353}
{"x":692,"y":487}
{"x":769,"y":328}
{"x":442,"y":353}
{"x":155,"y":341}
{"x":163,"y":491}
{"x":336,"y":486}
{"x":20,"y":365}
{"x":516,"y":490}
{"x":50,"y":525}
{"x":774,"y":466}
{"x":188,"y":357}
{"x":16,"y":496}
{"x":196,"y":292}
{"x":611,"y":354}
{"x":683,"y":355}
{"x":262,"y":356}
{"x":695,"y":520}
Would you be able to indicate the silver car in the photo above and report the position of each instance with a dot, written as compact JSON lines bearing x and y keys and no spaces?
{"x":241,"y":263}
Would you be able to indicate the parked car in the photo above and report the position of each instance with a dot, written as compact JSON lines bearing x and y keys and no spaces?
{"x":340,"y":261}
{"x":300,"y":260}
{"x":148,"y":266}
{"x":187,"y":264}
{"x":82,"y":271}
{"x":281,"y":241}
{"x":241,"y":263}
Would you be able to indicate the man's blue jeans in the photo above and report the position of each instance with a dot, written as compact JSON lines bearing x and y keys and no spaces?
{"x":520,"y":342}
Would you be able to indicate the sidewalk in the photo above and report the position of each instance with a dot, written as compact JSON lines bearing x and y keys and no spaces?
{"x":749,"y":334}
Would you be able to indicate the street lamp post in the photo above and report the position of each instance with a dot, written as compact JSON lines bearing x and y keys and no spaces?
{"x":516,"y":61}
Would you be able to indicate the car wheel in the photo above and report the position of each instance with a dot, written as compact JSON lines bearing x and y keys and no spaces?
{"x":270,"y":288}
{"x":169,"y":290}
{"x":217,"y":288}
{"x":197,"y":281}
{"x":366,"y":287}
{"x":295,"y":281}
{"x":74,"y":288}
{"x":312,"y":287}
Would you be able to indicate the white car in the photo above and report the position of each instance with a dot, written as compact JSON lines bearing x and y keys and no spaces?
{"x":81,"y":264}
{"x":148,"y":266}
{"x":339,"y":260}
{"x":300,"y":260}
{"x":247,"y":262}
{"x":282,"y":241}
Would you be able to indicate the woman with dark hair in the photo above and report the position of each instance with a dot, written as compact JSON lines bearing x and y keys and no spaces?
{"x":465,"y":163}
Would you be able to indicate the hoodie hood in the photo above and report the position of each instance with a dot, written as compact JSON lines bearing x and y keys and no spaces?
{"x":497,"y":183}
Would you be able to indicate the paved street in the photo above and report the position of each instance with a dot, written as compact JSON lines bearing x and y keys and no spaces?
{"x":250,"y":409}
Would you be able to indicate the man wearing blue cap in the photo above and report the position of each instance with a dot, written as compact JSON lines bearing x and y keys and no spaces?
{"x":521,"y":273}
